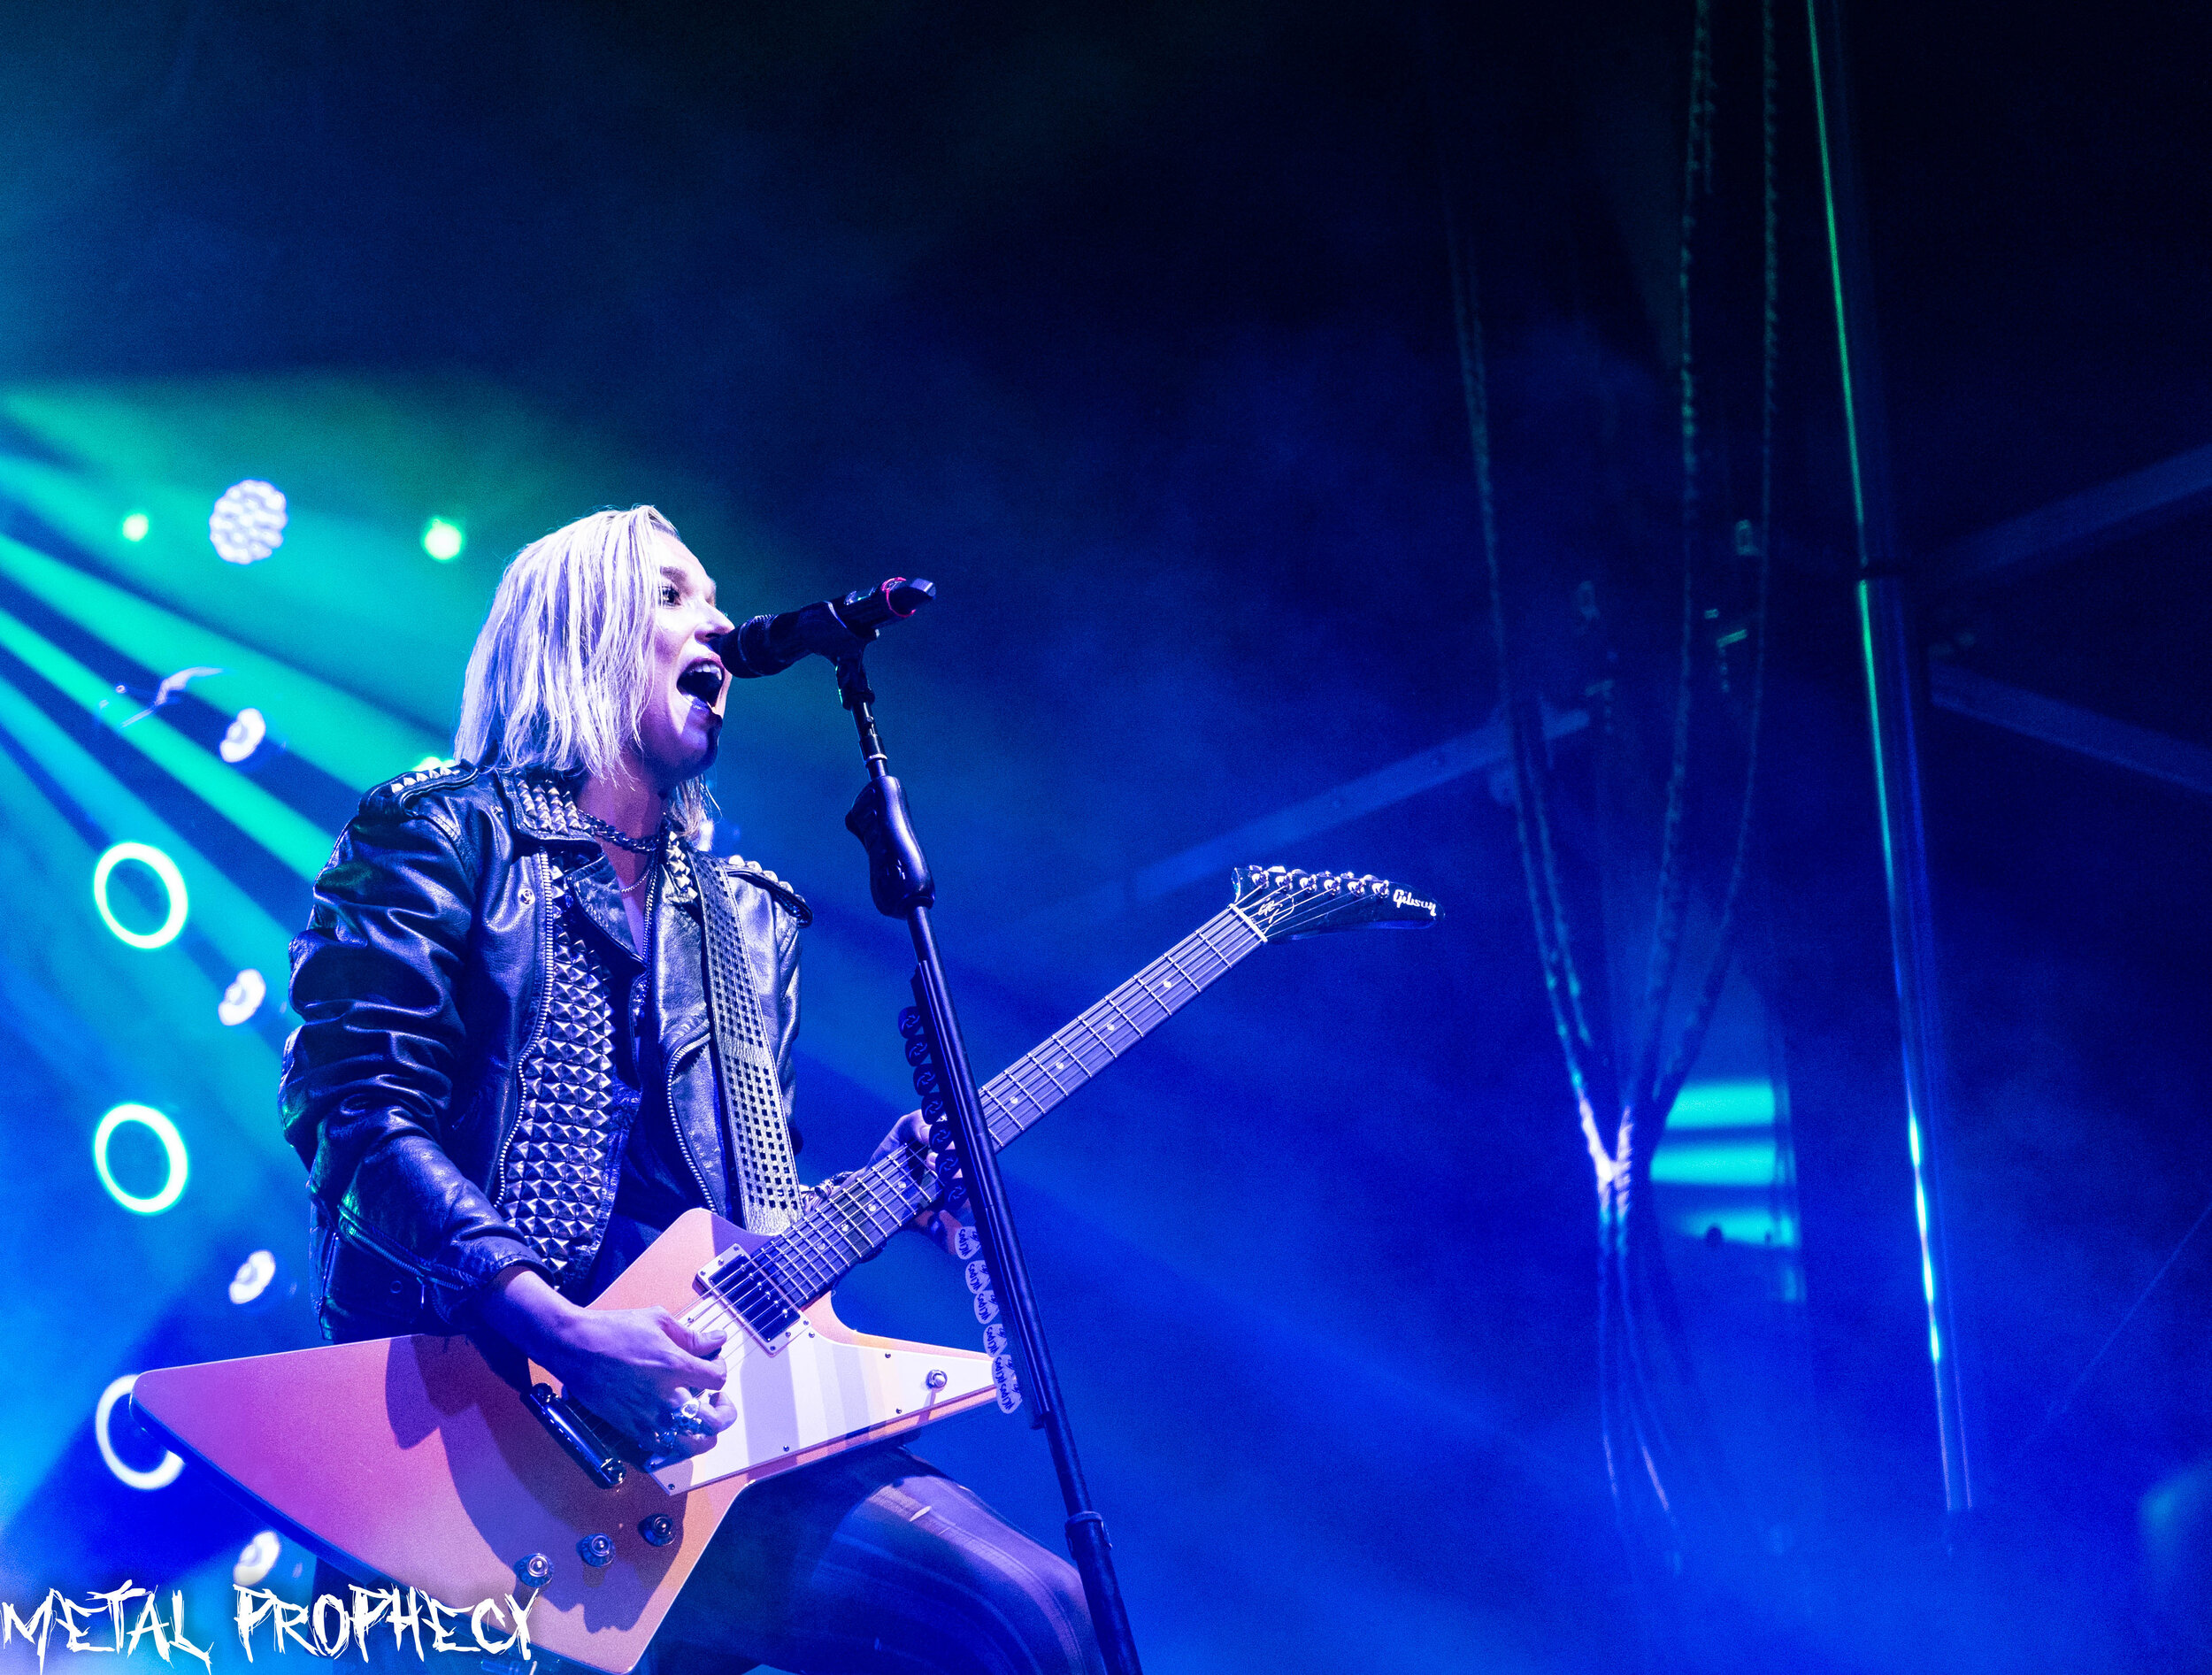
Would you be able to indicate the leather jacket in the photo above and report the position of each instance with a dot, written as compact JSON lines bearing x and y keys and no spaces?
{"x":421,"y":979}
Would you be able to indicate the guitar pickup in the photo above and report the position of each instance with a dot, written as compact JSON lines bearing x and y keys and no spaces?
{"x":734,"y":1281}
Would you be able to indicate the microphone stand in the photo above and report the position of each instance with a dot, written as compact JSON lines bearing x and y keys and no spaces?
{"x":899,"y":879}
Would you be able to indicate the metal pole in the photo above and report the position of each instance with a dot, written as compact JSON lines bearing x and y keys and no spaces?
{"x":1893,"y":701}
{"x":899,"y":881}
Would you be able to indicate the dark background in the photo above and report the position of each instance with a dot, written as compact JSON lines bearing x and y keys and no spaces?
{"x":1133,"y":327}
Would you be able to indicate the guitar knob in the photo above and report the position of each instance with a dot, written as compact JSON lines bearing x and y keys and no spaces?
{"x":597,"y":1551}
{"x":534,"y":1572}
{"x":936,"y":1380}
{"x":658,"y":1531}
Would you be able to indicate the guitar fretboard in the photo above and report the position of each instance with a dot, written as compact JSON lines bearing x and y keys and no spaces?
{"x":850,"y":1221}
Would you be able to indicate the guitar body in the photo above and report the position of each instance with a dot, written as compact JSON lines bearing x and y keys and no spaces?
{"x":409,"y":1459}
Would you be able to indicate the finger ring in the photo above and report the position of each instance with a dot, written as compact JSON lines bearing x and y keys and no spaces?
{"x":690,"y":1408}
{"x":664,"y":1440}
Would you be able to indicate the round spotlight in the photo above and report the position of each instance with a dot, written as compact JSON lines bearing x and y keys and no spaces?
{"x":172,"y":883}
{"x":162,"y":1475}
{"x":256,"y":1559}
{"x":248,"y":522}
{"x":252,"y":1278}
{"x":135,"y":524}
{"x":243,"y":736}
{"x":243,"y":999}
{"x":179,"y":1169}
{"x":443,"y":540}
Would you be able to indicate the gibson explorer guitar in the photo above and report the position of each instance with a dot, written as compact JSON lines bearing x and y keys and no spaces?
{"x":412,"y":1460}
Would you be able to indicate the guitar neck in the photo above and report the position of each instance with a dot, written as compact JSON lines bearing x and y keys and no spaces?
{"x":850,"y":1220}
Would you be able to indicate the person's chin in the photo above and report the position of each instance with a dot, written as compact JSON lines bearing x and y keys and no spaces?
{"x":710,"y":748}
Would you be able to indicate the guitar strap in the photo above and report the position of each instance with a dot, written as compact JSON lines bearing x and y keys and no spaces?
{"x":741,"y":1014}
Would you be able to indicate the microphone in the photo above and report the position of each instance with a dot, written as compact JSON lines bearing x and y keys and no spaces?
{"x":834,"y":629}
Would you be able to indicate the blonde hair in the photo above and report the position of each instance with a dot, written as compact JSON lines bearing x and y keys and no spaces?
{"x":558,"y":677}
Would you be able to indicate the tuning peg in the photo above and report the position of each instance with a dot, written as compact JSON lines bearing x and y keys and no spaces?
{"x":910,"y":1022}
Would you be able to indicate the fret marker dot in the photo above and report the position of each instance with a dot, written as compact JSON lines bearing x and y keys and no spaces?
{"x":1060,"y":1063}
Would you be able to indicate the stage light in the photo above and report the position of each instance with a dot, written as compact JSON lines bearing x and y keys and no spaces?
{"x":135,"y":524}
{"x":248,"y":522}
{"x":256,"y":1559}
{"x":172,"y":882}
{"x":252,"y":1278}
{"x":173,"y":1150}
{"x":162,"y":1475}
{"x":243,"y":737}
{"x":243,"y":999}
{"x":433,"y":762}
{"x":443,"y":541}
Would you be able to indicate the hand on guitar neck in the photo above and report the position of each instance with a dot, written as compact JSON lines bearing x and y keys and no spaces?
{"x":643,"y":1370}
{"x":942,"y":1222}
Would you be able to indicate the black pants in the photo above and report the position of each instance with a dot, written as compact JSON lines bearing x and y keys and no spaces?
{"x":872,"y":1563}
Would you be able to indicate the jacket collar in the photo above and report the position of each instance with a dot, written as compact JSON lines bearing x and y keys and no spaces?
{"x":543,"y":806}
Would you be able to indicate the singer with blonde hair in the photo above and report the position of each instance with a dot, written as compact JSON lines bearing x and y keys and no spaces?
{"x":502,"y":1090}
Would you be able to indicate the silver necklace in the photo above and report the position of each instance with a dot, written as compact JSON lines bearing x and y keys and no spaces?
{"x":620,"y":839}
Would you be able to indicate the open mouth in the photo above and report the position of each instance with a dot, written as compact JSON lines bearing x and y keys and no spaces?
{"x":703,"y":681}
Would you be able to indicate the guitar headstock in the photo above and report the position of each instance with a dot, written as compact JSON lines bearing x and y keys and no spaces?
{"x":1285,"y":903}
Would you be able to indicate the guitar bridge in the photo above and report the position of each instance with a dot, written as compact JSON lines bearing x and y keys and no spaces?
{"x":735,"y":1286}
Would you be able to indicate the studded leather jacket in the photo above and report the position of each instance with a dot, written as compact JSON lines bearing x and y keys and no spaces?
{"x":448,"y":1089}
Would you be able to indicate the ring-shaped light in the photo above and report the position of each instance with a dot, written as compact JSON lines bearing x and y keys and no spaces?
{"x":172,"y":882}
{"x":161,"y":1476}
{"x":172,"y":1146}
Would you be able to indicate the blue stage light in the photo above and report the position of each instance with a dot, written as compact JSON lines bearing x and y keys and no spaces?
{"x":180,"y":1164}
{"x":243,"y":999}
{"x":243,"y":736}
{"x":172,"y":882}
{"x":248,"y":522}
{"x":443,"y":540}
{"x":135,"y":524}
{"x":252,"y":1278}
{"x":162,"y":1475}
{"x":256,"y":1559}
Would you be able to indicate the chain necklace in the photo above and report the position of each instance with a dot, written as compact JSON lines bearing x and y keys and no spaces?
{"x":620,"y":839}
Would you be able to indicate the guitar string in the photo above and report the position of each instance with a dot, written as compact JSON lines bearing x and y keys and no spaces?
{"x":855,"y":1219}
{"x":818,"y":1260}
{"x":850,"y":1222}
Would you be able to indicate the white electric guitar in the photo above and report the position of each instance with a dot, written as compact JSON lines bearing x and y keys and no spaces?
{"x":409,"y":1459}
